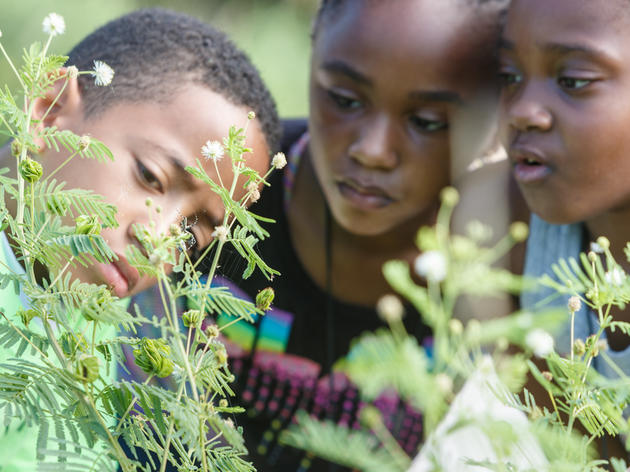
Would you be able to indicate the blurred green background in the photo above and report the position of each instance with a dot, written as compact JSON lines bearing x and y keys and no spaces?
{"x":275,"y":34}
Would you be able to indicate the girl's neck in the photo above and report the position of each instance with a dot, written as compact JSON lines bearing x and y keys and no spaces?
{"x":356,"y":260}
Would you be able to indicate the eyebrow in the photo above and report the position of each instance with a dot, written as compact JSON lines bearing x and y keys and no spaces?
{"x":559,"y":48}
{"x":340,"y":67}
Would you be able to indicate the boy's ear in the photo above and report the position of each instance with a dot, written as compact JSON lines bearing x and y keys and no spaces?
{"x":59,"y":104}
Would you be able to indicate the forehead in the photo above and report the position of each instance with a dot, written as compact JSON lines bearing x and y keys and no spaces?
{"x":174,"y":132}
{"x":567,"y":21}
{"x":430,"y":43}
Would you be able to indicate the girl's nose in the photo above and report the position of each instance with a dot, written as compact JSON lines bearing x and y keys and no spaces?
{"x":375,"y":145}
{"x":525,"y":110}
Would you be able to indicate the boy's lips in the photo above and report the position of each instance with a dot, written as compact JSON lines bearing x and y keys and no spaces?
{"x":363,"y":195}
{"x":119,"y":276}
{"x":529,"y":165}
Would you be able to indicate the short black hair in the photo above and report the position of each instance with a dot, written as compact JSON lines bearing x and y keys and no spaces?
{"x":154,"y":51}
{"x":328,"y":7}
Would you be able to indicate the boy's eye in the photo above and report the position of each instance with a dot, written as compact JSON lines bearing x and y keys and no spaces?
{"x":344,"y":102}
{"x":427,"y":125}
{"x":148,"y":177}
{"x":572,"y":83}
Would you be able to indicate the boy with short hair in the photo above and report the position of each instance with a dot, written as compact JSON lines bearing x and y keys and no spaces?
{"x":178,"y":84}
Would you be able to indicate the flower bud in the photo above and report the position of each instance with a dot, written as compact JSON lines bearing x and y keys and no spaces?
{"x":390,"y":309}
{"x":174,"y":230}
{"x":431,"y":265}
{"x":84,"y":142}
{"x":151,"y":357}
{"x":192,"y":318}
{"x":154,"y":259}
{"x":592,"y":256}
{"x":548,"y":376}
{"x":264,"y":298}
{"x":87,"y":368}
{"x":370,"y":417}
{"x":574,"y":304}
{"x":603,"y":242}
{"x":279,"y":160}
{"x":212,"y":331}
{"x":223,"y":403}
{"x":456,"y":326}
{"x":221,"y":356}
{"x":148,"y":202}
{"x":87,"y":224}
{"x":221,"y":233}
{"x":72,"y":72}
{"x":251,"y":115}
{"x":16,"y":148}
{"x":31,"y":170}
{"x":519,"y":231}
{"x":253,"y":192}
{"x":449,"y":196}
{"x":579,"y":348}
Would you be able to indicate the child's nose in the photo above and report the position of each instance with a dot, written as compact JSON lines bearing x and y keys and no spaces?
{"x":375,"y":145}
{"x":525,"y":110}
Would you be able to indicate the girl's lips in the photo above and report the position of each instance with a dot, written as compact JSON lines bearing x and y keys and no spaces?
{"x":120,"y":276}
{"x":529,"y":166}
{"x":364,"y":197}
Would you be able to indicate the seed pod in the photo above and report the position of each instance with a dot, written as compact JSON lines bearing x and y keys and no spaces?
{"x":94,"y":307}
{"x":31,"y":170}
{"x":212,"y":331}
{"x":57,"y":206}
{"x":264,"y":299}
{"x":87,"y":224}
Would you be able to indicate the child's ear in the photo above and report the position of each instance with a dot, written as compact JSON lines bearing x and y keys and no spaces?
{"x":60,"y":103}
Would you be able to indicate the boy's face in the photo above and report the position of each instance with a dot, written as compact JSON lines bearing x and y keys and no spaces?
{"x":566,"y":106}
{"x":385,"y":84}
{"x":152,"y":143}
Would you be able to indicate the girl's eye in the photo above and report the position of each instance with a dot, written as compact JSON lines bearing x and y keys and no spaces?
{"x":148,"y":177}
{"x":426,"y":125}
{"x":572,"y":83}
{"x":344,"y":102}
{"x":508,"y":78}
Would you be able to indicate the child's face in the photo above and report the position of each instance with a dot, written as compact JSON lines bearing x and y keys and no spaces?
{"x":152,"y":143}
{"x":385,"y":82}
{"x":566,"y":106}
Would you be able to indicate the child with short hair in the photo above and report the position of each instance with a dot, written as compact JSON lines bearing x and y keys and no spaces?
{"x":178,"y":84}
{"x":565,"y":65}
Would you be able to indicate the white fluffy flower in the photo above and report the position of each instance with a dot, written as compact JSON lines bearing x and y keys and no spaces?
{"x":253,"y":191}
{"x":54,"y":24}
{"x":279,"y":160}
{"x":615,"y":277}
{"x":432,"y":265}
{"x":212,"y":150}
{"x":103,"y":74}
{"x":221,"y":233}
{"x":596,"y":248}
{"x":540,"y":342}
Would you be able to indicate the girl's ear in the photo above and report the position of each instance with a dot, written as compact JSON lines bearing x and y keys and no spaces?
{"x":59,"y":105}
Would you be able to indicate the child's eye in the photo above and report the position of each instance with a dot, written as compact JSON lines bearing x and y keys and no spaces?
{"x":508,"y":78}
{"x":344,"y":102}
{"x":427,"y":125}
{"x":148,"y":177}
{"x":573,"y":83}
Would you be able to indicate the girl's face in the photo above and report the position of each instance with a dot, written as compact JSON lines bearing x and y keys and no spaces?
{"x":385,"y":83}
{"x":565,"y":106}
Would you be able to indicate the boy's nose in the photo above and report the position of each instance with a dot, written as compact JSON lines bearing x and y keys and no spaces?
{"x":375,"y":145}
{"x":525,"y":110}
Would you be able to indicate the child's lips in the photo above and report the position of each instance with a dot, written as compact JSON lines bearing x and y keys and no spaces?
{"x":120,"y":276}
{"x":530,"y":166}
{"x":365,"y":196}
